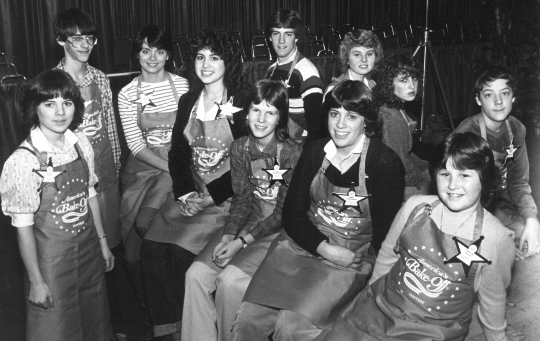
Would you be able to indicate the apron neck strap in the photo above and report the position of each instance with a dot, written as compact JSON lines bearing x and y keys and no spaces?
{"x":291,"y":69}
{"x":483,"y":128}
{"x":139,"y":90}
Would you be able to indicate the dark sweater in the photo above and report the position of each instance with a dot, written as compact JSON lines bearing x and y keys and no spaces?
{"x":180,"y":157}
{"x":385,"y":182}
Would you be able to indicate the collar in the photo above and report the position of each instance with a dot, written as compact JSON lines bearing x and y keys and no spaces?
{"x":41,"y":143}
{"x":291,"y":57}
{"x":88,"y":76}
{"x":269,"y":151}
{"x":366,"y":80}
{"x":331,"y":150}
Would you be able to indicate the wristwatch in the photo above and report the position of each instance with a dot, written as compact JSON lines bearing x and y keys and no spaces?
{"x":244,"y":243}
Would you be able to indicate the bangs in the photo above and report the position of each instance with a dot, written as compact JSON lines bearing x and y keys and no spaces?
{"x":53,"y":88}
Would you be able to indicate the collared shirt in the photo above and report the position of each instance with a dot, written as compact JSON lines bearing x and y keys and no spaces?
{"x":343,"y":164}
{"x":19,"y":184}
{"x":94,"y":75}
{"x":241,"y":205}
{"x":290,"y":59}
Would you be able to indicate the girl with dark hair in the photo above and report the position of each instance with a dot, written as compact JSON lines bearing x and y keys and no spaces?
{"x":209,"y":119}
{"x":440,"y":252}
{"x":360,"y":54}
{"x":343,"y":196}
{"x":397,"y":83}
{"x":47,"y":187}
{"x":147,"y":106}
{"x":261,"y":169}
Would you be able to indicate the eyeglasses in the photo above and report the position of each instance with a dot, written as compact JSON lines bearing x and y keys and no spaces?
{"x":77,"y":41}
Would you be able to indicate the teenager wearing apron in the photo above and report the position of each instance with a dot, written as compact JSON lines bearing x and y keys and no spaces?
{"x":515,"y":207}
{"x":209,"y":118}
{"x":47,"y":189}
{"x":360,"y":53}
{"x":397,"y":84}
{"x":439,"y":254}
{"x":343,"y":195}
{"x":228,"y":261}
{"x":147,"y":106}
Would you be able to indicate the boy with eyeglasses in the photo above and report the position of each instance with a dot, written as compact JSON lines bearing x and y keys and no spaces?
{"x":76,"y":33}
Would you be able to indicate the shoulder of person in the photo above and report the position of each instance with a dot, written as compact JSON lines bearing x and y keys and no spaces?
{"x":516,"y":124}
{"x":98,"y":72}
{"x":131,"y":86}
{"x":306,"y":68}
{"x":467,"y":124}
{"x":379,"y":149}
{"x":417,"y":200}
{"x":290,"y":144}
{"x":239,"y":143}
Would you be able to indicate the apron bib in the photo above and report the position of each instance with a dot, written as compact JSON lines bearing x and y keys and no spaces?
{"x":293,"y":279}
{"x":421,"y":298}
{"x":107,"y":187}
{"x":295,"y":130}
{"x":263,"y":205}
{"x":142,"y":184}
{"x":210,"y":144}
{"x":70,"y":260}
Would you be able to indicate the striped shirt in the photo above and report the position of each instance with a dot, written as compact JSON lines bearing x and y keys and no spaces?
{"x":94,"y":75}
{"x":161,"y":96}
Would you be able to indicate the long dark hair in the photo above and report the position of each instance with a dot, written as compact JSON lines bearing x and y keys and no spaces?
{"x":467,"y":151}
{"x":224,"y":45}
{"x":275,"y":94}
{"x":48,"y":85}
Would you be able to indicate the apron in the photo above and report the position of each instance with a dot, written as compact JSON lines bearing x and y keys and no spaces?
{"x":421,"y":298}
{"x":296,"y":132}
{"x":293,"y":279}
{"x":210,"y":144}
{"x":107,"y":188}
{"x":142,"y":184}
{"x":70,"y":260}
{"x":263,"y":205}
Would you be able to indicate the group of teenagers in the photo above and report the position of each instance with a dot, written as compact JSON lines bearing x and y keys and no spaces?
{"x":276,"y":210}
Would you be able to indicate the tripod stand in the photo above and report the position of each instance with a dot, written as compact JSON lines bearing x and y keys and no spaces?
{"x":426,"y":44}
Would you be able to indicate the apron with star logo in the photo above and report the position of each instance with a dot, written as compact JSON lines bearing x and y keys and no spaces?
{"x":421,"y":298}
{"x":292,"y":278}
{"x":69,"y":259}
{"x":210,"y":145}
{"x":142,"y":184}
{"x":107,"y":187}
{"x":263,"y":205}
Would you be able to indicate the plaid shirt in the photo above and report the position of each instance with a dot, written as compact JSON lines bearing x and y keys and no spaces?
{"x":241,"y":206}
{"x":94,"y":75}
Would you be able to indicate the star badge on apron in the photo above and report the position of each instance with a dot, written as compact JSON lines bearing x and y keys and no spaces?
{"x":468,"y":254}
{"x":145,"y":100}
{"x":351,"y":199}
{"x":276,"y":173}
{"x":510,"y":150}
{"x":48,"y":175}
{"x":227,"y":109}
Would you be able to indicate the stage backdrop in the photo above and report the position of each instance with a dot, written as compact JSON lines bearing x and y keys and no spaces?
{"x":26,"y":33}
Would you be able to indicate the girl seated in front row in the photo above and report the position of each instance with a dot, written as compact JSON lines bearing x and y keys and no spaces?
{"x":440,"y":252}
{"x":254,"y":218}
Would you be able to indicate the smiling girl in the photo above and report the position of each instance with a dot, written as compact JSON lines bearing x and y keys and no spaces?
{"x":47,"y":187}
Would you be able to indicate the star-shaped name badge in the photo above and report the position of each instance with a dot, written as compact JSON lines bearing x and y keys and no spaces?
{"x":48,"y":175}
{"x":468,"y":254}
{"x":276,"y":173}
{"x":510,"y":150}
{"x":227,"y":109}
{"x":351,"y":199}
{"x":145,"y":100}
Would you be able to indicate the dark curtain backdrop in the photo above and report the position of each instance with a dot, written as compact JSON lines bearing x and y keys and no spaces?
{"x":26,"y":33}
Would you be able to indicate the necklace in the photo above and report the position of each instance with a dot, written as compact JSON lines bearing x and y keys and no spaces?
{"x":460,"y":226}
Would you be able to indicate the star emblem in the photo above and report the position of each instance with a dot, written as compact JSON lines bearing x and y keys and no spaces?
{"x":351,"y":199}
{"x":145,"y":100}
{"x":276,"y":173}
{"x":510,"y":150}
{"x":467,"y":254}
{"x":48,"y":175}
{"x":227,"y":109}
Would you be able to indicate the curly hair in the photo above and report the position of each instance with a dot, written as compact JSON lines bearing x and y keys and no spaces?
{"x":363,"y":38}
{"x":468,"y":151}
{"x":394,"y":66}
{"x":48,"y":85}
{"x":156,"y":37}
{"x":275,"y":94}
{"x":225,"y":46}
{"x":354,"y":96}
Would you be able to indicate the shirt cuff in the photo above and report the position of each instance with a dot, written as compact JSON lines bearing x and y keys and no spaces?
{"x":22,"y":219}
{"x":91,"y":192}
{"x":184,"y":197}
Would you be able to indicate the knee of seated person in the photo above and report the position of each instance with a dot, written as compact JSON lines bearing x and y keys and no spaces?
{"x":229,"y":278}
{"x":195,"y":272}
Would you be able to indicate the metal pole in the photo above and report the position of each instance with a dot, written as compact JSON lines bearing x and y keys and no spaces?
{"x":426,"y":39}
